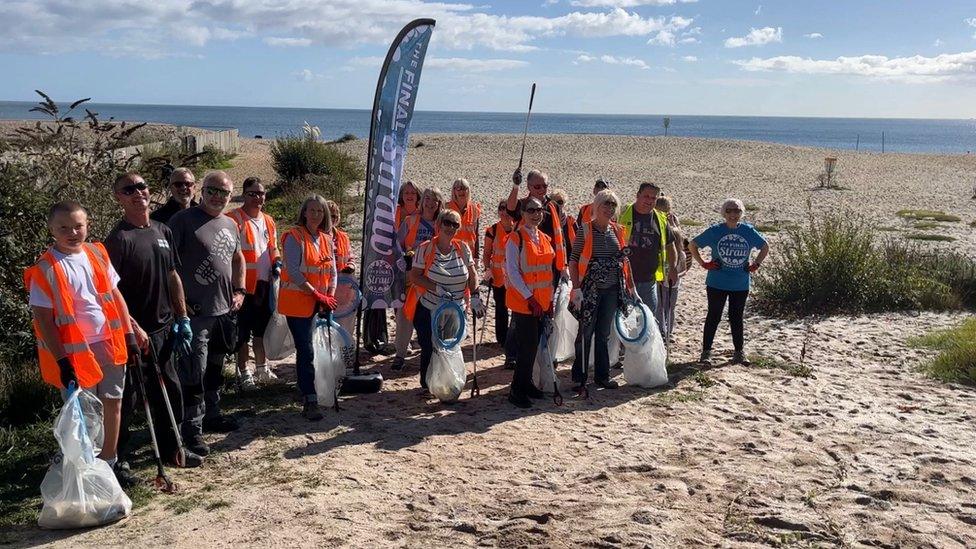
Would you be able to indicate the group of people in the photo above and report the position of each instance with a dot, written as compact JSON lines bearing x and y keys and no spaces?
{"x":171,"y":293}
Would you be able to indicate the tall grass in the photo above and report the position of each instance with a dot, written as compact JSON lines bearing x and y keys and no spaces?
{"x":956,"y":361}
{"x":838,"y":263}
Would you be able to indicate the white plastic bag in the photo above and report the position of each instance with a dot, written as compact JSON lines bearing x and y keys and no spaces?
{"x":543,"y":371}
{"x":278,"y":342}
{"x":79,"y":489}
{"x":565,"y":326}
{"x":343,"y":349}
{"x":447,"y":374}
{"x":325,"y":363}
{"x":645,"y":362}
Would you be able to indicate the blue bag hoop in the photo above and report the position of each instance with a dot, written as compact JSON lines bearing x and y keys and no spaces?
{"x":351,"y":281}
{"x":441,"y":309}
{"x":620,"y":330}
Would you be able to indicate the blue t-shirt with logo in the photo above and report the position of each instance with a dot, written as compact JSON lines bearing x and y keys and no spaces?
{"x":731,"y":248}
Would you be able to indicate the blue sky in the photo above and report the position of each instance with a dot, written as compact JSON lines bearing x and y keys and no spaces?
{"x":825,"y":58}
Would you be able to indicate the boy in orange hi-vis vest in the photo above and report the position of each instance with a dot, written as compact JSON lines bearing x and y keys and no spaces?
{"x":84,"y":335}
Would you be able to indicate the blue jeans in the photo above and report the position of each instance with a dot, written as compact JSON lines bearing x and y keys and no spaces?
{"x":301,"y":331}
{"x":605,"y":310}
{"x":648,"y":292}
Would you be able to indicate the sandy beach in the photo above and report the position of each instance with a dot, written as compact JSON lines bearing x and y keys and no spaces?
{"x":863,"y":452}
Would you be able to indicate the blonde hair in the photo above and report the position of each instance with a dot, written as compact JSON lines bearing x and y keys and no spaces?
{"x":666,"y":202}
{"x":434,"y":192}
{"x":556,"y":194}
{"x":334,"y":210}
{"x":326,"y":224}
{"x":462,"y":182}
{"x":604,"y":196}
{"x":732,"y":202}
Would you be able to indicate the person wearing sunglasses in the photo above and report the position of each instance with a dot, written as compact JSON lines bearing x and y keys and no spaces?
{"x":538,"y":185}
{"x":470,"y":212}
{"x":566,"y":221}
{"x":729,"y":274}
{"x":414,"y":231}
{"x":530,"y":264}
{"x":495,"y":238}
{"x":442,"y":270}
{"x":144,"y":256}
{"x":308,"y":285}
{"x":262,"y":261}
{"x":211,"y":267}
{"x":601,"y":284}
{"x":181,"y":185}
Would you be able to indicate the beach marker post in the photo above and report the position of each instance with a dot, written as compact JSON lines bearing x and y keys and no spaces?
{"x":829,"y":163}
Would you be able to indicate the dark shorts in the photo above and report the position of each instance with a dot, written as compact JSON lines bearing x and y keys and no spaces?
{"x":254,"y":315}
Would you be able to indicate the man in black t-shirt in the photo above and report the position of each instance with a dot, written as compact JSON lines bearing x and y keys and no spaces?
{"x":182,"y":184}
{"x":143,"y":253}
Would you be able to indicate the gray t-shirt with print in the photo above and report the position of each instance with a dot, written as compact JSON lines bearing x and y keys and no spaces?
{"x":206,"y":245}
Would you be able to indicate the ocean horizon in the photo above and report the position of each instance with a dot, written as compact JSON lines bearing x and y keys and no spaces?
{"x":905,"y":135}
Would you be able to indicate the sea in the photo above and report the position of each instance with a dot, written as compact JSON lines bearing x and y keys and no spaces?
{"x":941,"y":136}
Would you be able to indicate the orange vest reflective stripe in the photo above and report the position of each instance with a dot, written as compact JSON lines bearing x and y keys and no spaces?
{"x":316,"y":266}
{"x":535,"y":263}
{"x":586,"y":213}
{"x":558,"y":242}
{"x":343,"y":252}
{"x":587,"y":253}
{"x":498,"y":255}
{"x":48,"y":275}
{"x":468,"y":233}
{"x":415,"y":290}
{"x":400,"y":215}
{"x":571,"y":230}
{"x":248,"y":246}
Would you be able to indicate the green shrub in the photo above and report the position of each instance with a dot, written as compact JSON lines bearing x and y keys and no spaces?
{"x":956,"y":361}
{"x":346,"y":138}
{"x":297,"y":158}
{"x":934,"y":215}
{"x":836,"y":264}
{"x":929,"y":237}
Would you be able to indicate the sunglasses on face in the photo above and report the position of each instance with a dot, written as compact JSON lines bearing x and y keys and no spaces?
{"x":182,"y":184}
{"x":532,"y":210}
{"x":216,"y":191}
{"x":255,"y":194}
{"x":130,"y":190}
{"x":610,"y":204}
{"x":733,"y":210}
{"x":540,"y":186}
{"x":450,"y":224}
{"x":461,"y":189}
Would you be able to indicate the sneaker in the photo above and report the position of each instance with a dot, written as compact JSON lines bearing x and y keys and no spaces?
{"x":245,"y":382}
{"x":519,"y":400}
{"x":534,"y":392}
{"x":220,"y":424}
{"x":706,"y":357}
{"x":185,"y":459}
{"x":740,"y":358}
{"x":127,"y":479}
{"x":619,"y":365}
{"x":197,"y":446}
{"x":397,"y":364}
{"x":510,"y":364}
{"x":312,"y":412}
{"x":386,"y":349}
{"x":264,"y":374}
{"x":607,"y":383}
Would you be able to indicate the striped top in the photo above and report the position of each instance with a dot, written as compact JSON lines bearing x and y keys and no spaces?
{"x":604,"y":244}
{"x":449,"y":271}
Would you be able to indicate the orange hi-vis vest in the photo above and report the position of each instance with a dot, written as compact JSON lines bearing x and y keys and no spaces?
{"x":587,"y":253}
{"x":248,"y":247}
{"x":468,"y":233}
{"x":416,"y":290}
{"x":498,"y":255}
{"x":343,"y":252}
{"x":413,"y":227}
{"x":316,"y":266}
{"x":400,"y":215}
{"x":535,"y":263}
{"x":571,"y":230}
{"x":586,"y":213}
{"x":52,"y":280}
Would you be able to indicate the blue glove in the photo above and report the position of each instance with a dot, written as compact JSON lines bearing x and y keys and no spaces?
{"x":276,"y":268}
{"x":183,"y":335}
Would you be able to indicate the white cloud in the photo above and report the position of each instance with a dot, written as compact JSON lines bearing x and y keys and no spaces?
{"x":690,"y":58}
{"x":627,"y":3}
{"x":938,"y":43}
{"x":613,"y":60}
{"x":813,"y":35}
{"x":756,"y":37}
{"x":172,"y":27}
{"x":306,"y":75}
{"x":758,"y":10}
{"x":914,"y":69}
{"x":287,"y":42}
{"x":463,"y":64}
{"x":972,"y":23}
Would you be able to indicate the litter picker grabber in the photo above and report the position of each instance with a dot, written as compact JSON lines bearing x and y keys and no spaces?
{"x":475,"y":389}
{"x":162,"y":482}
{"x":180,"y":454}
{"x":526,"y":130}
{"x":481,"y":336}
{"x":557,"y":397}
{"x":328,"y":335}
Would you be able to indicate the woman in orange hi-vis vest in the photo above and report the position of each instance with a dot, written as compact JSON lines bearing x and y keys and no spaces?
{"x":566,"y":221}
{"x":259,"y":244}
{"x":495,"y":238}
{"x":470,"y":212}
{"x":596,"y":269}
{"x":586,"y":210}
{"x":344,"y":263}
{"x":443,"y":270}
{"x":84,"y":335}
{"x":414,"y":231}
{"x":408,"y":203}
{"x":307,"y":287}
{"x":530,"y":261}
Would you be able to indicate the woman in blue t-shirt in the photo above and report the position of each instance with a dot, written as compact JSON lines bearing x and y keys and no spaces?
{"x":729,"y":273}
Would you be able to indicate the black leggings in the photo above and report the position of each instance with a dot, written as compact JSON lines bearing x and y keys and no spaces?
{"x":716,"y":303}
{"x":501,"y":315}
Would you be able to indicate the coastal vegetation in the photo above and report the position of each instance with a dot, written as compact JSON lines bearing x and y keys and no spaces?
{"x":837,"y":263}
{"x":956,"y":361}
